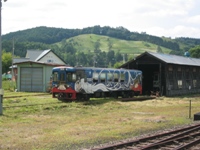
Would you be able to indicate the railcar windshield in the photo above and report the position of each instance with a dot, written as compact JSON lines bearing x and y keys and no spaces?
{"x":58,"y":77}
{"x":55,"y":76}
{"x":64,"y":76}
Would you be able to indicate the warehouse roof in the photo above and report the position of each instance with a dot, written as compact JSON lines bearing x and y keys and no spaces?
{"x":175,"y":59}
{"x":169,"y":59}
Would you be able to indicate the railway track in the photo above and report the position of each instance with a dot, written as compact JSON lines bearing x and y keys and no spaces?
{"x":141,"y":98}
{"x":179,"y":139}
{"x":16,"y":96}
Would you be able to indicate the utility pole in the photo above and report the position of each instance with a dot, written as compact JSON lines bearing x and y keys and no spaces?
{"x":13,"y":58}
{"x":1,"y":90}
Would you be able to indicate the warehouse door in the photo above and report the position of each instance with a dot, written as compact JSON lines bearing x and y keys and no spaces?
{"x":31,"y":79}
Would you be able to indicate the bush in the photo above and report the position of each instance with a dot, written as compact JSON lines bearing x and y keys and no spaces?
{"x":9,"y":85}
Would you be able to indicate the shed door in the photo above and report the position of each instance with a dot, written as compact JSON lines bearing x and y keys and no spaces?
{"x":31,"y":79}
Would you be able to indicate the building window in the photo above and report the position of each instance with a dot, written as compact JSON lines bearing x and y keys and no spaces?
{"x":180,"y":84}
{"x":171,"y":81}
{"x":50,"y":61}
{"x":194,"y":83}
{"x":170,"y":68}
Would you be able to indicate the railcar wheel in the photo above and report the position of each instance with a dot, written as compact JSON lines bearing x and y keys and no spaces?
{"x":82,"y":97}
{"x":136,"y":93}
{"x":86,"y":97}
{"x":61,"y":96}
{"x":115,"y":95}
{"x":131,"y":94}
{"x":79,"y":97}
{"x":125,"y":94}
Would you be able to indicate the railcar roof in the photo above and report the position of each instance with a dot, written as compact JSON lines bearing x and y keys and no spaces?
{"x":94,"y":68}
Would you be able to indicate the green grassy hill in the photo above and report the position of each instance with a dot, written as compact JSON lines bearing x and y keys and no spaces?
{"x":86,"y":43}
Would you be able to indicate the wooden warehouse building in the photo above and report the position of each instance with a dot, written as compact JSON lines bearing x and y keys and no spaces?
{"x":169,"y":74}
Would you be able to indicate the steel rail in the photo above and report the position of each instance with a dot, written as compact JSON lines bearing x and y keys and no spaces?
{"x":171,"y":141}
{"x":136,"y":141}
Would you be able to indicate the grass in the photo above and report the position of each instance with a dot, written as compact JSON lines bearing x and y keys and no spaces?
{"x":9,"y":85}
{"x":86,"y":43}
{"x":41,"y":122}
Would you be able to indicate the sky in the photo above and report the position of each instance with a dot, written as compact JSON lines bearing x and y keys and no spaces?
{"x":169,"y":18}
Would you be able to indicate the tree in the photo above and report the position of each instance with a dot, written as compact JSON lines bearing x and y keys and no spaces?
{"x":110,"y":44}
{"x":6,"y":61}
{"x":118,"y":56}
{"x":97,"y":45}
{"x":111,"y":57}
{"x":195,"y":52}
{"x":118,"y":64}
{"x":159,"y":49}
{"x":69,"y":48}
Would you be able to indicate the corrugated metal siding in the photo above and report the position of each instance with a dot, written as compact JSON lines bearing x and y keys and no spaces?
{"x":31,"y":79}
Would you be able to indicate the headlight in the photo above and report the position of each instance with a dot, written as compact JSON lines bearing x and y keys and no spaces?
{"x":136,"y":85}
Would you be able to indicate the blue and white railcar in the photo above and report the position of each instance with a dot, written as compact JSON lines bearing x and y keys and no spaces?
{"x":71,"y":83}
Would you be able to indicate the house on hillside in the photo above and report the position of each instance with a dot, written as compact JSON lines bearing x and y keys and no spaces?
{"x":170,"y":75}
{"x":34,"y":71}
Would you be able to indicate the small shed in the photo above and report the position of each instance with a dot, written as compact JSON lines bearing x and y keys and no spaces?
{"x":34,"y":76}
{"x":169,"y":75}
{"x":34,"y":71}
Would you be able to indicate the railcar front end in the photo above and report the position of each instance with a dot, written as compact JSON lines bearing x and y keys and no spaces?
{"x":63,"y":79}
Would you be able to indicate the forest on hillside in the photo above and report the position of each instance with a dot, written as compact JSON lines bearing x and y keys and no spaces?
{"x":42,"y":38}
{"x":48,"y":35}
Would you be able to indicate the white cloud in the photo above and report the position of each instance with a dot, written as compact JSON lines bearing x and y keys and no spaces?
{"x":194,"y":20}
{"x":177,"y":31}
{"x":156,"y":17}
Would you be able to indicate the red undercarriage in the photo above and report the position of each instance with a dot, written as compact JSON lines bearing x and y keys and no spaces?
{"x":69,"y":93}
{"x":139,"y":88}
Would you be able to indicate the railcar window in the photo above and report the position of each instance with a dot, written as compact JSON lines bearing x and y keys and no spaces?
{"x":102,"y":77}
{"x":109,"y":77}
{"x":71,"y":77}
{"x":62,"y":77}
{"x":55,"y":76}
{"x":133,"y":75}
{"x":122,"y":77}
{"x":95,"y":77}
{"x":116,"y":77}
{"x":80,"y":74}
